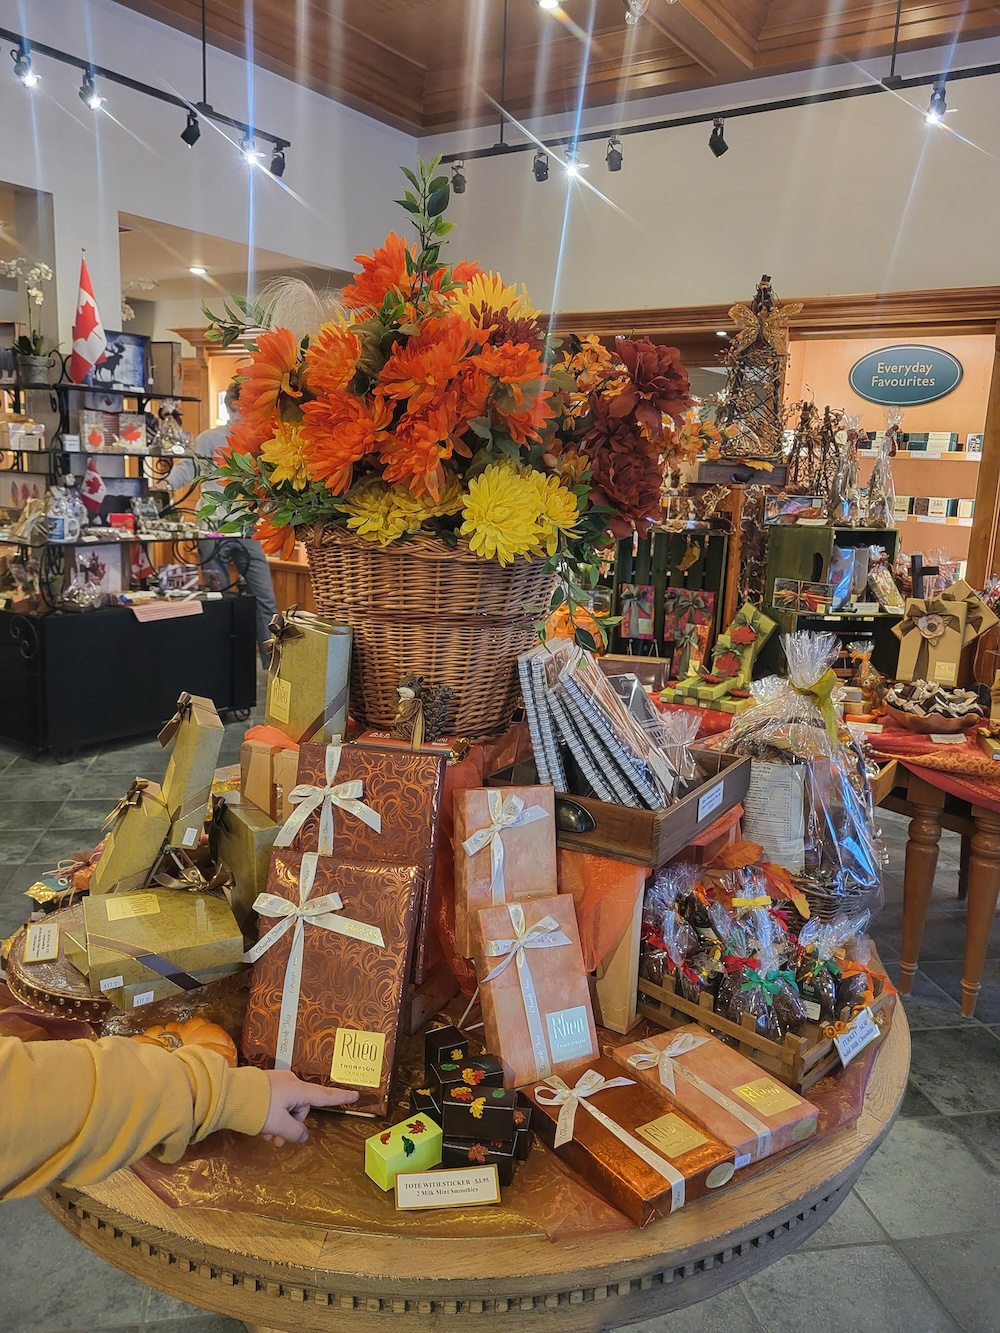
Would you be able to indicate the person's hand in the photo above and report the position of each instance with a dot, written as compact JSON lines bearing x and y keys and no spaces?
{"x":291,"y":1102}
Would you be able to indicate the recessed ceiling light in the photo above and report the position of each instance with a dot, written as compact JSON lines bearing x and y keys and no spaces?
{"x":548,"y":4}
{"x":721,"y":333}
{"x":197,"y":270}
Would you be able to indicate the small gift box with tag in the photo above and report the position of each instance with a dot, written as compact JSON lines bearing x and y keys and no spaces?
{"x":931,"y":634}
{"x":643,"y":1157}
{"x":505,"y":851}
{"x":732,"y":1097}
{"x":136,"y":830}
{"x":307,"y":684}
{"x":195,"y":732}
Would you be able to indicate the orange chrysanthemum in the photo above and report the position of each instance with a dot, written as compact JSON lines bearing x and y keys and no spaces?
{"x":332,"y":358}
{"x":428,"y":362}
{"x":516,"y":373}
{"x":382,"y":271}
{"x":413,"y":454}
{"x":275,"y":541}
{"x":270,"y":374}
{"x":243,"y":438}
{"x":338,"y":431}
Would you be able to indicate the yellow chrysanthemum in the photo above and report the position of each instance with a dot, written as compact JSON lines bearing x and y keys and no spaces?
{"x":557,"y":511}
{"x":420,"y":510}
{"x":284,"y":452}
{"x":487,"y":292}
{"x":500,"y":515}
{"x":371,"y":512}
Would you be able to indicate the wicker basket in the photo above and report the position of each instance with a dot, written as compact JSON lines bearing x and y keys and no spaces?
{"x":420,"y":606}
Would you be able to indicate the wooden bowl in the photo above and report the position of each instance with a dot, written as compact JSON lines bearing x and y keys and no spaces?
{"x":935,"y":724}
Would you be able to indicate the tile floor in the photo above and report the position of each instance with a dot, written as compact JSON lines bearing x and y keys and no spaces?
{"x":914,"y":1249}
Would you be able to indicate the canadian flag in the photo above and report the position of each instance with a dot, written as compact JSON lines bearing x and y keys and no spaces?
{"x":89,"y":342}
{"x":92,"y":488}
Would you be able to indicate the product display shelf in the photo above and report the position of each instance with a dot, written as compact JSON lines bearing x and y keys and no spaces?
{"x":656,"y":561}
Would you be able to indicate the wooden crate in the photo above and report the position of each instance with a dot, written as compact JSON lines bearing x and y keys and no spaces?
{"x":655,"y":560}
{"x":800,"y":1060}
{"x":884,"y":781}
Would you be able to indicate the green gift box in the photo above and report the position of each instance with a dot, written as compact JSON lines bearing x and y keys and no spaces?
{"x":412,"y":1145}
{"x":307,"y":684}
{"x":196,"y":731}
{"x":136,"y":831}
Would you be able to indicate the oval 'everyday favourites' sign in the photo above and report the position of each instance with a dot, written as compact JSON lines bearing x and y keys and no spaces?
{"x":906,"y":375}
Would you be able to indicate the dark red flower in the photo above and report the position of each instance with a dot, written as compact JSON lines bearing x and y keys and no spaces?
{"x":626,"y":471}
{"x":658,"y":383}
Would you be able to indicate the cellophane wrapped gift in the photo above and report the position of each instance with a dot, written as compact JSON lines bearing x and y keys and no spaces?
{"x":643,"y":1157}
{"x":671,"y":943}
{"x":330,"y":972}
{"x":368,"y":804}
{"x":742,"y":1106}
{"x":765,"y":985}
{"x":809,"y":803}
{"x":843,"y":507}
{"x":825,"y":989}
{"x":195,"y":735}
{"x":136,"y":828}
{"x":533,"y":988}
{"x":879,"y":505}
{"x":307,"y":683}
{"x":505,"y":851}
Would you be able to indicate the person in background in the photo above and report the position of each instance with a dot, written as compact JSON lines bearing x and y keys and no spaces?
{"x":246,"y":553}
{"x":79,"y":1110}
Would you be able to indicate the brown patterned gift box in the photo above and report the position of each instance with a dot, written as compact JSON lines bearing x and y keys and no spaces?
{"x":721,"y":1089}
{"x":505,"y":851}
{"x":534,"y":991}
{"x":330,"y":970}
{"x":643,"y":1157}
{"x":366,"y":804}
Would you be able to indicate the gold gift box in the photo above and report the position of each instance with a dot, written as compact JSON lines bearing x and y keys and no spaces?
{"x":196,"y":731}
{"x":931,"y":635}
{"x":194,"y":932}
{"x":307,"y":686}
{"x":246,"y":836}
{"x":141,"y":823}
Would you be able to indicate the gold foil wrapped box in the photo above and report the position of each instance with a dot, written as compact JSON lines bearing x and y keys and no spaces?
{"x":137,"y":829}
{"x":307,"y":685}
{"x":245,"y":838}
{"x":196,"y":733}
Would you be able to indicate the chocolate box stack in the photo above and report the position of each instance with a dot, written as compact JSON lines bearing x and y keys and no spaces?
{"x":483,"y":1122}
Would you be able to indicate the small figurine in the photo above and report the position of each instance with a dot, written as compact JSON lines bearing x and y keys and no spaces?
{"x":421,"y":710}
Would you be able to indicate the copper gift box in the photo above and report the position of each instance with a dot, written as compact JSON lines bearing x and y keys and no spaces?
{"x":352,"y":989}
{"x":614,"y":1169}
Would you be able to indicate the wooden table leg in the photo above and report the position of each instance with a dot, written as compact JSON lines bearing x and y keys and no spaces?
{"x":918,"y":875}
{"x":984,"y":884}
{"x":963,"y":867}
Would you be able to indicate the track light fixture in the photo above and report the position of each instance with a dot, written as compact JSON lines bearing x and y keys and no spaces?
{"x":458,"y":181}
{"x":540,"y":166}
{"x":89,"y":94}
{"x":22,"y":67}
{"x":251,"y":153}
{"x":278,"y":163}
{"x":613,"y":156}
{"x":191,"y":132}
{"x":716,"y":140}
{"x":938,"y":105}
{"x":573,"y":164}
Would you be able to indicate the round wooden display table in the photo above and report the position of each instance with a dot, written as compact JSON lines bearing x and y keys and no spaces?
{"x":280,"y":1276}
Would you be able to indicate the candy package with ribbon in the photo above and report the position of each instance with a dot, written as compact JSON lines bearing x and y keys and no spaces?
{"x":195,"y":734}
{"x":533,"y":988}
{"x":748,"y":1110}
{"x":505,"y":851}
{"x":659,"y":956}
{"x":644,"y":1157}
{"x":768,"y":991}
{"x":307,"y":682}
{"x":330,"y":972}
{"x":879,"y":508}
{"x":843,"y":508}
{"x":819,"y":973}
{"x":809,"y":802}
{"x":135,"y":830}
{"x":931,"y":636}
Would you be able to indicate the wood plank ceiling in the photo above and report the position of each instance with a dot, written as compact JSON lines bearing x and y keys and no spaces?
{"x":433,"y":65}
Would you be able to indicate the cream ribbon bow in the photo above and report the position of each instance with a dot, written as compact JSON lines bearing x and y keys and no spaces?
{"x":554,"y":1092}
{"x":307,"y":799}
{"x":544,"y":934}
{"x":653,"y":1057}
{"x":294,"y":916}
{"x":504,"y":814}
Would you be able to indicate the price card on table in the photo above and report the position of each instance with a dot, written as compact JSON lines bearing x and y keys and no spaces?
{"x":862,"y":1032}
{"x":42,"y":942}
{"x":462,"y":1187}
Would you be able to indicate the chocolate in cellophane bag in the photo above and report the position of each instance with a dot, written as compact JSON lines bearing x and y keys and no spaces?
{"x":819,"y":975}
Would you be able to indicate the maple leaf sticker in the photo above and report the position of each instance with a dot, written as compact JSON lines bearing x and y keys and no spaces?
{"x":477,"y":1153}
{"x":384,"y":1138}
{"x":477,"y":1107}
{"x":498,"y":1093}
{"x":742,"y":635}
{"x":518,"y":1117}
{"x":424,"y":1092}
{"x":473,"y":1076}
{"x":449,"y":1066}
{"x":456,"y":1055}
{"x":462,"y":1094}
{"x":409,"y":1147}
{"x":417,"y":1127}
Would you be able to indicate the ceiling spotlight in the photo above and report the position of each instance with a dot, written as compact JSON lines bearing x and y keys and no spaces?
{"x":251,"y":153}
{"x":721,"y":333}
{"x":191,"y":132}
{"x":716,"y":140}
{"x":540,"y":166}
{"x":458,"y":181}
{"x":197,"y":270}
{"x":278,"y":163}
{"x":573,"y":164}
{"x":548,"y":4}
{"x":22,"y":67}
{"x":614,"y":153}
{"x":938,"y":106}
{"x":634,"y":10}
{"x":89,"y":93}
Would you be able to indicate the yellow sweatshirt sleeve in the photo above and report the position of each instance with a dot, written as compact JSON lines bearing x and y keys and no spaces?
{"x":79,"y":1110}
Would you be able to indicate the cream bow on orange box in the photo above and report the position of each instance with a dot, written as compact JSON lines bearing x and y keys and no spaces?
{"x":662,"y":1059}
{"x":504,"y":814}
{"x":307,"y":799}
{"x":555,"y":1092}
{"x":544,"y":934}
{"x":294,"y":916}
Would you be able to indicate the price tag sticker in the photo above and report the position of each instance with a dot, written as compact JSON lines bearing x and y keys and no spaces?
{"x":144,"y":997}
{"x":710,"y":801}
{"x":862,"y":1032}
{"x":41,"y":943}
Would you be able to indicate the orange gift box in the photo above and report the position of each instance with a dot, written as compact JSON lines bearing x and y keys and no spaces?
{"x":505,"y":851}
{"x":733,"y":1098}
{"x":534,"y":991}
{"x":644,"y":1157}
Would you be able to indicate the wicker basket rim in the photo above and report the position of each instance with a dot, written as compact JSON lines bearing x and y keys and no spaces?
{"x":324,"y":532}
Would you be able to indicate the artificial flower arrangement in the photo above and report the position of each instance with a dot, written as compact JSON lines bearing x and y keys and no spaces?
{"x":435,"y":404}
{"x":33,"y":273}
